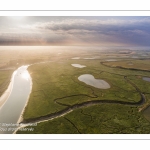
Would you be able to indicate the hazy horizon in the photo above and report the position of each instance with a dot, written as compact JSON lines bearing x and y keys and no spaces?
{"x":54,"y":47}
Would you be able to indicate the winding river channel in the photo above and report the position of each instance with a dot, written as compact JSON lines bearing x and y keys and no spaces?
{"x":11,"y":110}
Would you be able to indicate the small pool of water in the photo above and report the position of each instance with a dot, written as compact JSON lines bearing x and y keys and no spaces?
{"x":146,"y":79}
{"x":78,"y":65}
{"x":75,"y":58}
{"x":89,"y":58}
{"x":90,"y":80}
{"x":95,"y":57}
{"x":111,"y":59}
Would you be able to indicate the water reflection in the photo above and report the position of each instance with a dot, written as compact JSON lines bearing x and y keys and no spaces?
{"x":78,"y":65}
{"x":25,"y":75}
{"x":111,"y":60}
{"x":11,"y":110}
{"x":90,"y":80}
{"x":75,"y":58}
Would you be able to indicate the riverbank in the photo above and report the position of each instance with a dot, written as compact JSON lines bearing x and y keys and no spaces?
{"x":7,"y":92}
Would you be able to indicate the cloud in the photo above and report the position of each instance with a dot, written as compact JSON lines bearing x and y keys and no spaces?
{"x":76,"y":31}
{"x":101,"y":31}
{"x":92,"y":25}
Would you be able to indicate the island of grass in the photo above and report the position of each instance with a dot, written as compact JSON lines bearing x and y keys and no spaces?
{"x":60,"y":103}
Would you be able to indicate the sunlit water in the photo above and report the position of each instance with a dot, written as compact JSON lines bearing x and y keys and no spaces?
{"x":111,"y":60}
{"x":90,"y":80}
{"x":90,"y":57}
{"x":11,"y":110}
{"x":78,"y":65}
{"x":75,"y":58}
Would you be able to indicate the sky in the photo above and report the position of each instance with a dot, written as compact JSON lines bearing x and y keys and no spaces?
{"x":71,"y":31}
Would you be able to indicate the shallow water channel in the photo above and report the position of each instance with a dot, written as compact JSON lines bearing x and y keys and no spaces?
{"x":90,"y":80}
{"x":11,"y":110}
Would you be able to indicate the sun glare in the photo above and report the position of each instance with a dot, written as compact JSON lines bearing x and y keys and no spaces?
{"x":25,"y":75}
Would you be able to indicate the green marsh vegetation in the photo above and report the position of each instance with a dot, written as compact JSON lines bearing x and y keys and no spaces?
{"x":55,"y":80}
{"x":5,"y":76}
{"x":131,"y":64}
{"x":56,"y":87}
{"x":99,"y":119}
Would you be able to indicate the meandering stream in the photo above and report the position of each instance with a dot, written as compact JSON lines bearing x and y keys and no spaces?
{"x":85,"y":104}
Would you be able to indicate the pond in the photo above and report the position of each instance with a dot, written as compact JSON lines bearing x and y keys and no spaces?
{"x":95,"y":57}
{"x":90,"y":80}
{"x":146,"y":79}
{"x":78,"y":65}
{"x":111,"y":60}
{"x":75,"y":58}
